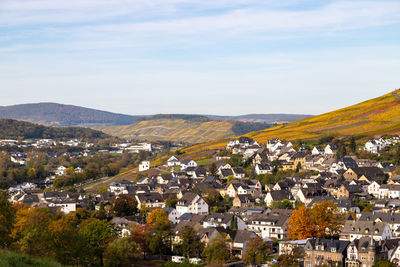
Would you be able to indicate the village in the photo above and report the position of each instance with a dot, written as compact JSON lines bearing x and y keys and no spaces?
{"x":250,"y":191}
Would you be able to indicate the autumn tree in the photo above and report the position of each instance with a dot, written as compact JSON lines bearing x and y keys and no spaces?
{"x":121,"y":252}
{"x":140,"y":234}
{"x":256,"y":251}
{"x":322,"y":220}
{"x":7,"y":219}
{"x":300,"y":224}
{"x":157,"y":217}
{"x":123,"y":205}
{"x":68,"y":246}
{"x":31,"y":230}
{"x":216,"y":252}
{"x":190,"y":244}
{"x":326,"y":218}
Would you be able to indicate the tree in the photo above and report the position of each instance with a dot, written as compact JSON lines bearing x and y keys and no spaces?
{"x":253,"y":173}
{"x":158,"y":217}
{"x":256,"y":251}
{"x":140,"y":234}
{"x":217,"y":250}
{"x":322,"y":220}
{"x":234,"y":223}
{"x":123,"y":205}
{"x":68,"y":246}
{"x":383,"y":263}
{"x":121,"y":252}
{"x":298,"y":167}
{"x":213,"y":169}
{"x":7,"y":219}
{"x":353,"y":145}
{"x":31,"y":230}
{"x":190,"y":244}
{"x":171,"y":201}
{"x":326,"y":218}
{"x":299,"y":224}
{"x":97,"y":234}
{"x":284,"y":204}
{"x":291,"y":258}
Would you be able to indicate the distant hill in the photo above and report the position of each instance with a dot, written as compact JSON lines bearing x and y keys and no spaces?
{"x":13,"y":129}
{"x":182,"y":128}
{"x":69,"y":115}
{"x":63,"y":115}
{"x":266,"y":118}
{"x":377,"y":116}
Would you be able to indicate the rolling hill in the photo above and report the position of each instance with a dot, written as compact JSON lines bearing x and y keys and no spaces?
{"x":69,"y":115}
{"x":265,"y":118}
{"x":377,"y":116}
{"x":21,"y":129}
{"x":63,"y":115}
{"x":182,"y":128}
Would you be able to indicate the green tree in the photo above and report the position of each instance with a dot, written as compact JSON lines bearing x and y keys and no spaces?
{"x":234,"y":223}
{"x":213,"y":169}
{"x":253,"y":173}
{"x":123,"y":205}
{"x":353,"y":145}
{"x":171,"y":201}
{"x":190,"y":244}
{"x":383,"y":263}
{"x":97,"y":234}
{"x":121,"y":252}
{"x":256,"y":251}
{"x":217,"y":250}
{"x":7,"y":219}
{"x":284,"y":204}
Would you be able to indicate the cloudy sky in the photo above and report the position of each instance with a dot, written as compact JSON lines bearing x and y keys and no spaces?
{"x":225,"y":57}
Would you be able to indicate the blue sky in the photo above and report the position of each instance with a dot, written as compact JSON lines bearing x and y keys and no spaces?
{"x":225,"y":57}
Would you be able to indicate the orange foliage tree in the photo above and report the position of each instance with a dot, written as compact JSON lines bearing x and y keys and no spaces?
{"x":157,"y":217}
{"x":322,"y":220}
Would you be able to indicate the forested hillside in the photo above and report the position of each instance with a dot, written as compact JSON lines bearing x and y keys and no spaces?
{"x":20,"y":129}
{"x":63,"y":115}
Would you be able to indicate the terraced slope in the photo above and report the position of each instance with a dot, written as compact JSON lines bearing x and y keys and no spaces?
{"x":178,"y":130}
{"x":377,"y":116}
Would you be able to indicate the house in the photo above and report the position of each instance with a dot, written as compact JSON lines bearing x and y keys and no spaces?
{"x":60,"y":171}
{"x":362,"y":252}
{"x":278,"y":195}
{"x":373,"y":189}
{"x":348,"y":191}
{"x":173,"y":161}
{"x":331,"y":149}
{"x":391,"y":219}
{"x":144,"y":166}
{"x":317,"y":150}
{"x":173,"y":214}
{"x":122,"y":187}
{"x":245,"y":200}
{"x":191,"y":203}
{"x":238,"y":241}
{"x":368,"y":174}
{"x":238,"y":172}
{"x":271,"y":224}
{"x":150,"y":200}
{"x":321,"y":252}
{"x":374,"y":146}
{"x":263,"y":168}
{"x":188,"y":163}
{"x":358,"y":229}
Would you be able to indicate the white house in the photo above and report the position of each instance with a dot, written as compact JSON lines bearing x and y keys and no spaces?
{"x":60,"y":171}
{"x":144,"y":166}
{"x":263,"y":169}
{"x":191,"y":203}
{"x":373,"y":189}
{"x":188,"y":163}
{"x":65,"y":206}
{"x":173,"y":161}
